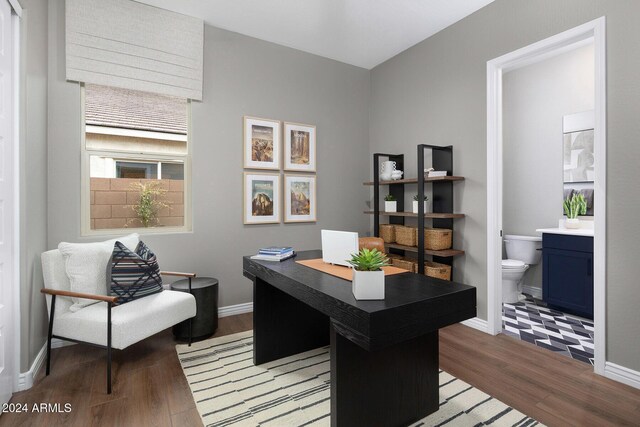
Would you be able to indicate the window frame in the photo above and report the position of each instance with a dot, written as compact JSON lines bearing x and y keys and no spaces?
{"x":85,"y":181}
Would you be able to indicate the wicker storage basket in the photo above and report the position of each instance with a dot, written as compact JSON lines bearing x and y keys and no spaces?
{"x":388,"y":233}
{"x":436,"y":239}
{"x":404,"y":263}
{"x":406,"y":235}
{"x":437,"y":270}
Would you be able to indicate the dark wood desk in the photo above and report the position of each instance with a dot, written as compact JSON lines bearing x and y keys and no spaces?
{"x":384,"y":354}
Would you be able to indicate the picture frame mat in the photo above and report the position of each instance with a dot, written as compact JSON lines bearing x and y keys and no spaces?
{"x":569,"y":164}
{"x":312,"y":217}
{"x":247,"y":123}
{"x":287,"y":128}
{"x":247,"y":198}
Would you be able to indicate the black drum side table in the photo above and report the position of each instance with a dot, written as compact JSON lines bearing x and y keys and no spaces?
{"x":205,"y":290}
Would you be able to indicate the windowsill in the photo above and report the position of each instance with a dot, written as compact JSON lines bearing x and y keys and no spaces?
{"x":143,"y":231}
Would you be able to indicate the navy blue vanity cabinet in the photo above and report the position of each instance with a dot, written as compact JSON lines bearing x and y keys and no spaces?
{"x":567,"y":269}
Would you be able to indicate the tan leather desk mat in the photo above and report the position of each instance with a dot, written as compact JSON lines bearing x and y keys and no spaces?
{"x":342,"y":272}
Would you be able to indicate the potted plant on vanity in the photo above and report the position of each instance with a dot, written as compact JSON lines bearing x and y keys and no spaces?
{"x":573,"y":206}
{"x":368,"y":277}
{"x":415,"y":204}
{"x":390,"y":203}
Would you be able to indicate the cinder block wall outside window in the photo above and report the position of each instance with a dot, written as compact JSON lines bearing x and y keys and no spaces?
{"x":113,"y":200}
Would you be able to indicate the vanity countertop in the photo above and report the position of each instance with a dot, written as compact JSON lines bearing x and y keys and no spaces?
{"x":569,"y":231}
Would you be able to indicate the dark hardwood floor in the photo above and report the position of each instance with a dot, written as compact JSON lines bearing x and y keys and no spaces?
{"x":553,"y":389}
{"x":150,"y":389}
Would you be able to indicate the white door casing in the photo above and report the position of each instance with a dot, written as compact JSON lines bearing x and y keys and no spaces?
{"x":8,"y":203}
{"x":593,"y":31}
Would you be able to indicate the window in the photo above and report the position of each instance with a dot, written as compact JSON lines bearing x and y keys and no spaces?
{"x":136,"y":161}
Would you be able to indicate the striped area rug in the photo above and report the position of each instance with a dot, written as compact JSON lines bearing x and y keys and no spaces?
{"x":230,"y":391}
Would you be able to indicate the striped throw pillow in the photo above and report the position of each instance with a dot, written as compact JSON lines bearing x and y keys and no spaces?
{"x":133,"y":274}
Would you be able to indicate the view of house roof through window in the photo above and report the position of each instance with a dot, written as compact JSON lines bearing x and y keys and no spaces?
{"x":128,"y":109}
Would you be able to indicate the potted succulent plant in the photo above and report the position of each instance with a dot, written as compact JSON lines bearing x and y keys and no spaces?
{"x":390,"y":203}
{"x":368,"y":277}
{"x":415,"y":204}
{"x":573,"y":206}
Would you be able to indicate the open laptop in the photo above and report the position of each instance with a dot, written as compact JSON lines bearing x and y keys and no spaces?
{"x":338,"y":246}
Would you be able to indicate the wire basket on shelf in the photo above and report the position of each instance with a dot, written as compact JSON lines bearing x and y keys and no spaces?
{"x":436,"y":239}
{"x":406,"y":264}
{"x":437,"y":270}
{"x":407,"y":236}
{"x":388,"y":233}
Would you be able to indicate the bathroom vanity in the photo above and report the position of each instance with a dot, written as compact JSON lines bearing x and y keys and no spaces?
{"x":567,"y":268}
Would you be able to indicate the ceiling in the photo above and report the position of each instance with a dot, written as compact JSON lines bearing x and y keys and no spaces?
{"x":364,"y":33}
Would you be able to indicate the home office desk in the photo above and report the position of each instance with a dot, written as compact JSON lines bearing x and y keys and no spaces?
{"x":384,"y":354}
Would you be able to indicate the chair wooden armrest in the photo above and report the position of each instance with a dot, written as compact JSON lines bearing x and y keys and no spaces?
{"x":104,"y":298}
{"x":177,"y":273}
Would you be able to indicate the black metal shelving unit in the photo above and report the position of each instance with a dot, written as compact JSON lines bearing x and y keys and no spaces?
{"x":442,"y":214}
{"x":397,"y":190}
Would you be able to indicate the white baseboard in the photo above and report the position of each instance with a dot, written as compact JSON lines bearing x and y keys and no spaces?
{"x":477,"y":323}
{"x":232,"y":310}
{"x":57,"y":343}
{"x":533,"y":291}
{"x":25,"y":379}
{"x":621,"y":374}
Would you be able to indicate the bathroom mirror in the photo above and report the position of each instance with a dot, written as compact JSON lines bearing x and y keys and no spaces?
{"x":578,"y":156}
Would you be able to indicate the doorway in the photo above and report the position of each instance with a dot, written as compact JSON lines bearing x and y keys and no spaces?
{"x":594,"y":32}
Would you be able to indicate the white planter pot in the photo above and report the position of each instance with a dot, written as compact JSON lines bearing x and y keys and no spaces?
{"x":390,"y":206}
{"x":415,"y":206}
{"x":572,"y":223}
{"x":368,"y":285}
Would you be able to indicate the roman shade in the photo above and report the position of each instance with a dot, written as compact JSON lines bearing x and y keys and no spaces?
{"x":131,"y":45}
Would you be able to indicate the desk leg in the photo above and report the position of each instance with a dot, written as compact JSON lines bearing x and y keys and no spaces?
{"x":394,"y":386}
{"x":284,"y":326}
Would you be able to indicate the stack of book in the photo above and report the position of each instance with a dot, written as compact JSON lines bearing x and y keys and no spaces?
{"x":431,"y":173}
{"x":274,"y":254}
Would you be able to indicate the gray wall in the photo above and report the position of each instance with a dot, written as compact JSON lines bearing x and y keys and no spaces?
{"x":242,"y":76}
{"x":535,"y":98}
{"x":33,"y":178}
{"x":435,"y":92}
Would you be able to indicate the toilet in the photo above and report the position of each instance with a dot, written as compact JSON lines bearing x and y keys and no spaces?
{"x":522,"y":251}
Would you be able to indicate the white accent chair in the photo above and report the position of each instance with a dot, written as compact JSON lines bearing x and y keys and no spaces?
{"x":103,"y":324}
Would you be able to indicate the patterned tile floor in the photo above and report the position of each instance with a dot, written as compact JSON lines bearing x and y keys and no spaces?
{"x":530,"y":320}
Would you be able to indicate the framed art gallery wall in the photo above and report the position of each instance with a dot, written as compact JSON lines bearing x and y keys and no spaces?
{"x":262,"y":145}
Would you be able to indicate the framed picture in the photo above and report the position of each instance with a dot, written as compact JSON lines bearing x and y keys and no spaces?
{"x":299,"y":147}
{"x":261,"y":198}
{"x":579,"y":161}
{"x":577,"y":145}
{"x":299,"y":198}
{"x":261,"y":143}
